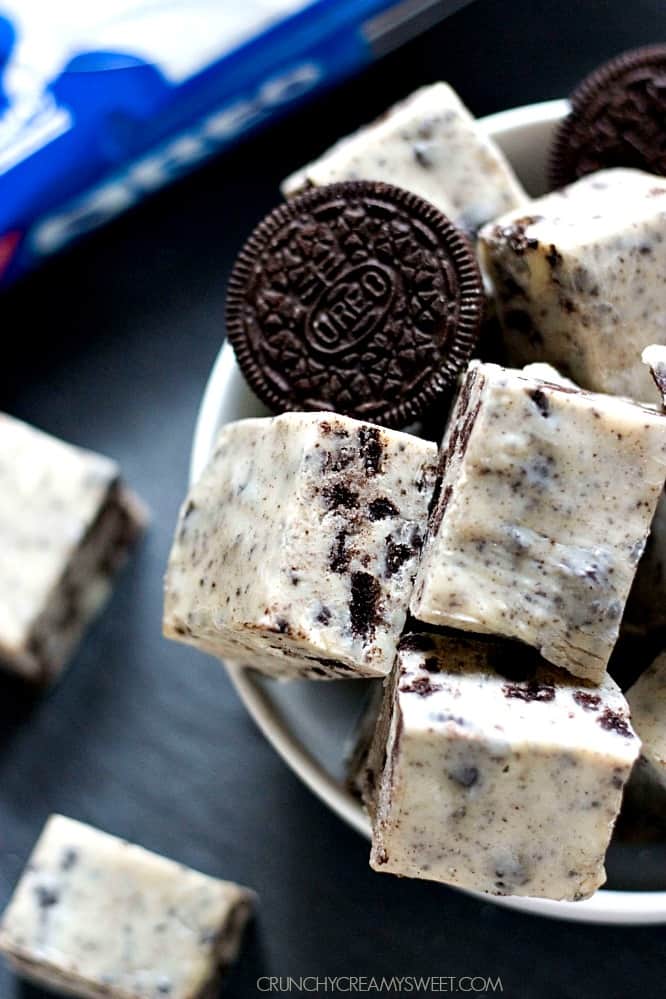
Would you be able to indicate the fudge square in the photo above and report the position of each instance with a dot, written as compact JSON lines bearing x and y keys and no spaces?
{"x":296,"y":551}
{"x":579,"y":279}
{"x":66,"y":525}
{"x":647,"y":700}
{"x":544,"y":506}
{"x":96,"y":916}
{"x":507,"y":783}
{"x":431,"y":145}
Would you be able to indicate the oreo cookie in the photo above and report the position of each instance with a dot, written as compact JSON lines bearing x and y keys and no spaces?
{"x":617,"y":119}
{"x":359,"y":298}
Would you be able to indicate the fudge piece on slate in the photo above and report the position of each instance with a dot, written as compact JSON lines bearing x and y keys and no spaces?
{"x":429,"y":144}
{"x":95,"y":916}
{"x":296,"y":551}
{"x":579,"y":279}
{"x":647,"y":700}
{"x":66,"y":525}
{"x":504,"y":782}
{"x":544,"y":507}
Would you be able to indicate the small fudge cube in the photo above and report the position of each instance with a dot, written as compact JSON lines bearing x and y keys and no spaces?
{"x":647,"y":700}
{"x":66,"y":526}
{"x":96,"y":916}
{"x":579,"y":279}
{"x":507,"y":784}
{"x":429,"y":144}
{"x":296,"y":551}
{"x":545,"y":504}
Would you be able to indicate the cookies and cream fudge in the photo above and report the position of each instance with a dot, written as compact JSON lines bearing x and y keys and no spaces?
{"x":429,"y":144}
{"x":647,"y":700}
{"x":295,"y":553}
{"x":542,"y":513}
{"x":497,"y":772}
{"x":66,"y":525}
{"x":578,"y":279}
{"x":95,"y":916}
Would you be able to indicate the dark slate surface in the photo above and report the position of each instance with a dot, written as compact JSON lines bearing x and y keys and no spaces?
{"x":109,"y":346}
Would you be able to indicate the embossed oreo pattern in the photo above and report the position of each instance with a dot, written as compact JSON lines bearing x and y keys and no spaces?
{"x":617,"y":119}
{"x":359,"y":298}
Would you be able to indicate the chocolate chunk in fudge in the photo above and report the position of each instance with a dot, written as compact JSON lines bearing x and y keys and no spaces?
{"x":510,"y":789}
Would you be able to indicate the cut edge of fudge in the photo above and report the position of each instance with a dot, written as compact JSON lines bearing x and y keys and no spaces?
{"x":525,"y":692}
{"x":84,"y":587}
{"x":547,"y":281}
{"x":277,"y":642}
{"x":646,"y":697}
{"x":563,"y":652}
{"x":46,"y":973}
{"x":40,"y":966}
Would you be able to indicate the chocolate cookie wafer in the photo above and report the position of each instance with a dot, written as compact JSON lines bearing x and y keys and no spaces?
{"x":359,"y":298}
{"x":617,"y":119}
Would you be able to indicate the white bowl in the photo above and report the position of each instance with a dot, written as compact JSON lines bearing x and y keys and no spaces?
{"x":308,"y":723}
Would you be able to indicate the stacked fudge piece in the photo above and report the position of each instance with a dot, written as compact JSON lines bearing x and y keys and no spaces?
{"x":296,"y":551}
{"x":542,"y":515}
{"x":579,"y":279}
{"x":492,"y":770}
{"x":431,"y":145}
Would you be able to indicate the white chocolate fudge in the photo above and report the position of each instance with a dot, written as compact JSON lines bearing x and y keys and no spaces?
{"x":296,"y":551}
{"x":66,"y":526}
{"x":431,"y":145}
{"x":543,"y":511}
{"x":507,"y":784}
{"x":579,"y":281}
{"x":95,"y":916}
{"x":646,"y":605}
{"x":647,"y":700}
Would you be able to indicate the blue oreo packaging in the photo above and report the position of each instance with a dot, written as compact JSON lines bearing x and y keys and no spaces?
{"x":104,"y":102}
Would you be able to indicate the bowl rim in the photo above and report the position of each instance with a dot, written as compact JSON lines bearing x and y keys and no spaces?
{"x":605,"y":906}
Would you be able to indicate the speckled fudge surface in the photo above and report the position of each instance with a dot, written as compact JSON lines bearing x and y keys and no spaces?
{"x":545,"y":504}
{"x":429,"y":144}
{"x":580,"y":279}
{"x":66,"y":524}
{"x":95,"y":916}
{"x":504,"y":782}
{"x":296,"y":551}
{"x":647,"y":700}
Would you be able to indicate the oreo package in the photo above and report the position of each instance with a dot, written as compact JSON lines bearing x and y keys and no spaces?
{"x":103,"y":103}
